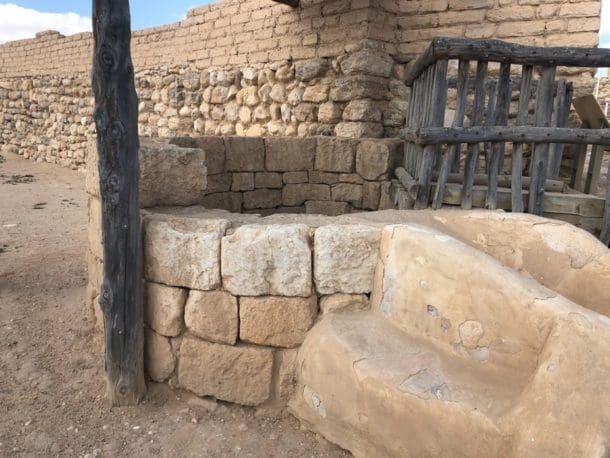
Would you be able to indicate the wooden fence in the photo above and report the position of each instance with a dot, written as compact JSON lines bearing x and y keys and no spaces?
{"x":507,"y":100}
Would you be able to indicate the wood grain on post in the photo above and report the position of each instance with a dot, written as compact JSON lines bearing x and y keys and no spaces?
{"x":517,"y":156}
{"x":544,"y":112}
{"x":472,"y":156}
{"x":436,"y":107}
{"x":116,"y":121}
{"x":458,"y":122}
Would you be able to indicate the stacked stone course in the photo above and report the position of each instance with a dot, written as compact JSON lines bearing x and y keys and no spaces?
{"x":256,"y":68}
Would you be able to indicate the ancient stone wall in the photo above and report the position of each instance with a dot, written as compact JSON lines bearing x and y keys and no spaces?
{"x":261,"y":69}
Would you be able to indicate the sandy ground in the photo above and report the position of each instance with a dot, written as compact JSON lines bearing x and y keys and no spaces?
{"x":51,"y":378}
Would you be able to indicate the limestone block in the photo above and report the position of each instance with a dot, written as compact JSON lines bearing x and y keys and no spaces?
{"x":262,"y":198}
{"x":286,"y":379}
{"x":214,"y":149}
{"x":362,"y":110}
{"x":170,"y":175}
{"x":295,"y":177}
{"x":268,"y":180}
{"x":307,"y":70}
{"x":326,"y":207}
{"x":335,"y":155}
{"x":221,"y":182}
{"x":359,"y":87}
{"x":371,"y":193}
{"x":368,"y":61}
{"x":276,"y":321}
{"x":345,"y":258}
{"x":182,"y":251}
{"x":347,"y":192}
{"x":336,"y":303}
{"x":159,"y":361}
{"x":317,"y":93}
{"x":239,"y":374}
{"x":230,"y":201}
{"x":376,"y":158}
{"x":94,"y":227}
{"x":164,"y":308}
{"x":245,"y":154}
{"x":359,"y":130}
{"x":290,"y":154}
{"x":272,"y":260}
{"x":329,"y":112}
{"x":297,"y":194}
{"x":212,"y":315}
{"x":243,"y":182}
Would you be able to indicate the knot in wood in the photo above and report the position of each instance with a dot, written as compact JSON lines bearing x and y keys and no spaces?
{"x":116,"y":130}
{"x":107,"y":58}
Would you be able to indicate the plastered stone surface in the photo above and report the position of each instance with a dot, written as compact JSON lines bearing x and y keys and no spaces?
{"x":345,"y":258}
{"x":239,"y":374}
{"x":259,"y":260}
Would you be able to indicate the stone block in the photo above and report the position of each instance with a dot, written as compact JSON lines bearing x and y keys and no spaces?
{"x":371,"y":193}
{"x":335,"y":155}
{"x":243,"y":182}
{"x":239,"y":374}
{"x":170,"y":175}
{"x":290,"y":154}
{"x":164,"y":309}
{"x":286,"y":378}
{"x":347,"y":192}
{"x":212,"y":315}
{"x":344,"y":303}
{"x":376,"y":158}
{"x":230,"y":201}
{"x":307,"y":70}
{"x":359,"y":87}
{"x":159,"y":361}
{"x":326,"y":207}
{"x":330,"y":112}
{"x":296,"y":194}
{"x":94,"y":228}
{"x":272,"y":260}
{"x":268,"y":180}
{"x":369,"y":62}
{"x":362,"y":110}
{"x":318,"y":177}
{"x":219,"y":183}
{"x":295,"y":177}
{"x":245,"y":154}
{"x":276,"y":321}
{"x":262,"y":198}
{"x":345,"y":258}
{"x":182,"y":251}
{"x":359,"y":129}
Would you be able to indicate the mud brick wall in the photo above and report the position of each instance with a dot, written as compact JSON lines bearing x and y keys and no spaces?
{"x":257,"y":68}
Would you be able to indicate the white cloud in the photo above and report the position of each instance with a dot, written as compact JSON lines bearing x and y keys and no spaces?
{"x":17,"y":23}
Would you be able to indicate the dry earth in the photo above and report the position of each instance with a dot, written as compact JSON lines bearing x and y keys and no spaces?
{"x":51,"y":378}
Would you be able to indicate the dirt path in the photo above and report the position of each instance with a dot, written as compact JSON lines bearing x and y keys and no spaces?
{"x":51,"y":378}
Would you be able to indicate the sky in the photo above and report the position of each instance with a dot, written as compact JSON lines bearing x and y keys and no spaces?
{"x":23,"y":18}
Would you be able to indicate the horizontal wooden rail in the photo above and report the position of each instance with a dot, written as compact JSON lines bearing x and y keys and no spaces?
{"x":523,"y":134}
{"x":443,"y":48}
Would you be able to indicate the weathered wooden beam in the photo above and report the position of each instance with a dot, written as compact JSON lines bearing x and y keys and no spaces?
{"x":502,"y":51}
{"x":519,"y":134}
{"x":116,"y":121}
{"x":292,"y":3}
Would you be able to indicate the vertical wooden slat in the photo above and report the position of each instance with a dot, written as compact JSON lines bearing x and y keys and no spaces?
{"x":580,"y":156}
{"x":492,"y":96}
{"x":563,"y":101}
{"x":517,"y":157}
{"x":595,"y":165}
{"x":497,"y":150}
{"x":605,"y":234}
{"x":544,"y":112}
{"x":458,"y":121}
{"x":473,"y":149}
{"x":438,"y":101}
{"x":409,"y":148}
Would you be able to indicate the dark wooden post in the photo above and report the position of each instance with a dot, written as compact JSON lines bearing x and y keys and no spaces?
{"x":116,"y":120}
